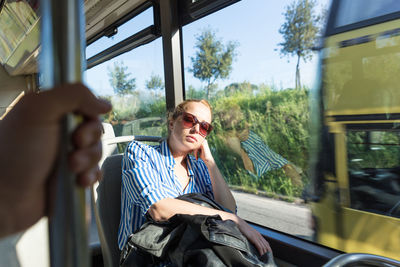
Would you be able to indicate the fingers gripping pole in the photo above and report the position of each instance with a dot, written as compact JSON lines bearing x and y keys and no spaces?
{"x":62,"y":61}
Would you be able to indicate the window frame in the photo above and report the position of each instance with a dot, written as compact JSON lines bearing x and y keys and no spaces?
{"x":332,"y":30}
{"x":192,"y":10}
{"x":369,"y":127}
{"x":137,"y":39}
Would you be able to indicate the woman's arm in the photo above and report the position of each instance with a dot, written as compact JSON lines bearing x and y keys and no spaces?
{"x":221,"y":191}
{"x":166,"y":208}
{"x":233,"y":142}
{"x":141,"y":180}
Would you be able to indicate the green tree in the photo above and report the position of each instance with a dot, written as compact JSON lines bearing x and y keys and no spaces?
{"x":299,"y":32}
{"x":213,"y":60}
{"x":120,"y":80}
{"x":155,"y":83}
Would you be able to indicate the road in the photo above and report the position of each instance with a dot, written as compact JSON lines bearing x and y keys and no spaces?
{"x":280,"y":215}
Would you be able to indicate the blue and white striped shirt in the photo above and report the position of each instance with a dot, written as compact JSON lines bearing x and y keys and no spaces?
{"x":148,"y":177}
{"x":264,"y":158}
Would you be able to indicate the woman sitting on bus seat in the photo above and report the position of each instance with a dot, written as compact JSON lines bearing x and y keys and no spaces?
{"x":153,"y":176}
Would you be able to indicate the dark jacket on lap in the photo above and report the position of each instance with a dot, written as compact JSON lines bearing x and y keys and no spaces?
{"x":192,"y":240}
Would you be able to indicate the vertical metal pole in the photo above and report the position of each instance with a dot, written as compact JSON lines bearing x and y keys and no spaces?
{"x":173,"y":66}
{"x":62,"y":61}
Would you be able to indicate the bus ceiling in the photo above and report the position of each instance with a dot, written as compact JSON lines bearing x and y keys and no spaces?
{"x":19,"y":40}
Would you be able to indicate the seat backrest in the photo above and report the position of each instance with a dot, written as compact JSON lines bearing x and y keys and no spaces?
{"x":109,"y":204}
{"x":108,"y":147}
{"x":109,"y":192}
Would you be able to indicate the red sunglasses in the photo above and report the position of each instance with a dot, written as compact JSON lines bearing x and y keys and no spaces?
{"x":190,"y":120}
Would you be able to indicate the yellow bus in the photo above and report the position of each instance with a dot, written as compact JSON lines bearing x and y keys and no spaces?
{"x":356,"y":206}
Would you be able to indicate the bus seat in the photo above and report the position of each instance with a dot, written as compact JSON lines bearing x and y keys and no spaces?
{"x":108,"y":198}
{"x":109,"y":148}
{"x":109,"y":205}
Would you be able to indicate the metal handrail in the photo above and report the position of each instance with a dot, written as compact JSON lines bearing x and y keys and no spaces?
{"x":62,"y":61}
{"x":351,"y":259}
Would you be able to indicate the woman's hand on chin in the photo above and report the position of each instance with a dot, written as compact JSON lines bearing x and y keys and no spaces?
{"x":204,"y":153}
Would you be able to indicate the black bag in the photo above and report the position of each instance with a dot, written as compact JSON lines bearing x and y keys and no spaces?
{"x":192,"y":240}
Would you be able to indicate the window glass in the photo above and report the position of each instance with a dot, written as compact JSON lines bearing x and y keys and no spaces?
{"x":374,"y":171}
{"x":352,"y":11}
{"x":261,"y":134}
{"x":129,"y":28}
{"x":134,"y":83}
{"x":17,"y":19}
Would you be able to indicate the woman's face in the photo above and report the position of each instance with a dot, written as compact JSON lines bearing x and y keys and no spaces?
{"x":183,"y":139}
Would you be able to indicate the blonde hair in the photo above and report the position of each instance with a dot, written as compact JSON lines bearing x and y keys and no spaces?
{"x":181,"y":108}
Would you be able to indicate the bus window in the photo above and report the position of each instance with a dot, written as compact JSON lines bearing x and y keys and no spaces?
{"x":353,"y":11}
{"x":374,"y":171}
{"x":133,"y":81}
{"x":19,"y":35}
{"x":260,"y":137}
{"x":145,"y":126}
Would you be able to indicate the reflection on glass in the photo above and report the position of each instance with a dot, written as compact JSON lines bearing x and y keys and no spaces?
{"x":261,"y":134}
{"x":374,"y":171}
{"x":258,"y":158}
{"x":370,"y":76}
{"x":16,"y":19}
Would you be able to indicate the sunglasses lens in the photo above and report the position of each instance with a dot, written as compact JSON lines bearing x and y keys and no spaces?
{"x":188,"y":120}
{"x":204,"y":128}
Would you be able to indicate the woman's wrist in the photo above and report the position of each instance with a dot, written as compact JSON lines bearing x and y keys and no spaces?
{"x":230,"y":216}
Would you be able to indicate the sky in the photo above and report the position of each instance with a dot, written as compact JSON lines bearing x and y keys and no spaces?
{"x":253,"y":24}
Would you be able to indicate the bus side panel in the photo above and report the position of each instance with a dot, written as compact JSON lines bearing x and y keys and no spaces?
{"x":361,"y":71}
{"x":371,"y":233}
{"x":325,"y":216}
